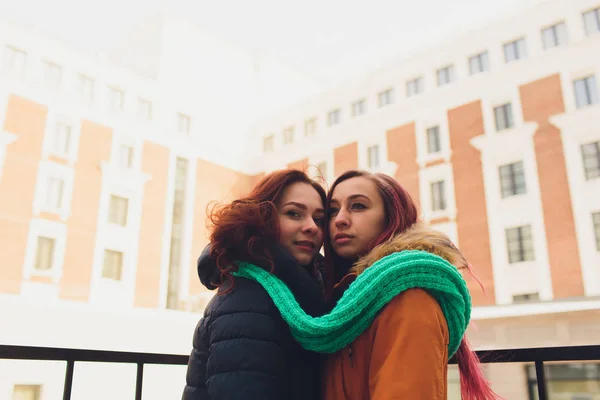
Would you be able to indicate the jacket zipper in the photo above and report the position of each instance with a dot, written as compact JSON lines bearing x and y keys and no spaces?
{"x":350,"y":355}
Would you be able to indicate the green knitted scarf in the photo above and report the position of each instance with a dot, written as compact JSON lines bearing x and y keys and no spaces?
{"x":367,"y":295}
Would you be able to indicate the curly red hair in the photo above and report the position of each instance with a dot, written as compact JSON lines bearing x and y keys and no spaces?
{"x":247,"y":228}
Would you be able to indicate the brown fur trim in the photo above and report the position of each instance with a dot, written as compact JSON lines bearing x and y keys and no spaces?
{"x":418,"y":237}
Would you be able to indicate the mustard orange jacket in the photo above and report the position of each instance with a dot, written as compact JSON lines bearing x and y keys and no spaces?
{"x":404,"y":353}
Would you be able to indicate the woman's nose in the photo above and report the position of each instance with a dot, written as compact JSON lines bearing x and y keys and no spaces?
{"x":310,"y":227}
{"x":341,"y":219}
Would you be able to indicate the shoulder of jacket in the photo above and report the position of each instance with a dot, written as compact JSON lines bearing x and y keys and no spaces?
{"x":246,"y":296}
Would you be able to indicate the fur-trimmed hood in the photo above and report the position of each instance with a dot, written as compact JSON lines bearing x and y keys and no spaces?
{"x":418,"y":237}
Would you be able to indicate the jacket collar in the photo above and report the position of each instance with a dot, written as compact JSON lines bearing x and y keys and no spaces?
{"x":417,"y":237}
{"x":302,"y":281}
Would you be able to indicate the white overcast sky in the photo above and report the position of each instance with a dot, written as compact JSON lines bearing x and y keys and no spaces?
{"x":331,"y":40}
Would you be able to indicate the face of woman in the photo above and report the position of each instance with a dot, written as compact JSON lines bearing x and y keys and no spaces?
{"x":356,"y":217}
{"x":301,"y":216}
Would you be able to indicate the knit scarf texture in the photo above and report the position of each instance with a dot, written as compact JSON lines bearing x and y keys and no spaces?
{"x":367,"y":295}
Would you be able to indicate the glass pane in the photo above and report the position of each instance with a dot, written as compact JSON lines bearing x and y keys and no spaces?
{"x":592,"y":89}
{"x":590,"y":20}
{"x":473,"y":65}
{"x":485,"y":63}
{"x":45,"y":253}
{"x":561,"y":33}
{"x":509,"y":52}
{"x":548,"y":38}
{"x":521,"y":49}
{"x":419,"y":85}
{"x":581,"y":98}
{"x":433,"y":140}
{"x":26,"y":392}
{"x":499,"y":117}
{"x":508,"y":115}
{"x":440,"y":77}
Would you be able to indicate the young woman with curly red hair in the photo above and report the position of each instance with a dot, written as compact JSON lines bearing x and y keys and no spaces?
{"x":243,"y":349}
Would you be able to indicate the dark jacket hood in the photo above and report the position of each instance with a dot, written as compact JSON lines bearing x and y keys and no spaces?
{"x":306,"y":288}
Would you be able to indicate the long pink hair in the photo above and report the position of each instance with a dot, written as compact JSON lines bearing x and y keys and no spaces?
{"x":401,"y":213}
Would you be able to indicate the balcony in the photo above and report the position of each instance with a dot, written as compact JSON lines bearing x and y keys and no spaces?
{"x":537,"y":356}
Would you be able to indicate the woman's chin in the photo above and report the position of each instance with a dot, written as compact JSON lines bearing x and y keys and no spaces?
{"x":346,"y":252}
{"x":303,"y":258}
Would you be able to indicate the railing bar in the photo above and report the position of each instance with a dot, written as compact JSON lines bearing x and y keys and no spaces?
{"x":541,"y":380}
{"x":68,"y":380}
{"x":139,"y":381}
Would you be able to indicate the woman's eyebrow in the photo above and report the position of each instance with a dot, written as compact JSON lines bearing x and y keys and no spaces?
{"x":294,"y":203}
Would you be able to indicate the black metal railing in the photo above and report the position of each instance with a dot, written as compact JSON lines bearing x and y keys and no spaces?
{"x":538,"y":356}
{"x":78,"y":355}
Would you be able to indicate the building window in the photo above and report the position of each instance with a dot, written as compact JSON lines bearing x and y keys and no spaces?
{"x":44,"y":253}
{"x":125,"y":156}
{"x":438,"y":196}
{"x":554,"y":36}
{"x":61,"y":142}
{"x":586,"y":91}
{"x":414,"y":86}
{"x":86,"y":88}
{"x":373,"y":156}
{"x":526,"y":298}
{"x":183,"y":123}
{"x":269,"y":143}
{"x":591,"y":159}
{"x":118,"y":210}
{"x":144,"y":109}
{"x":14,"y":61}
{"x":434,"y":144}
{"x":310,"y":126}
{"x":572,"y":381}
{"x":27,"y":392}
{"x":596,"y":222}
{"x":175,"y":256}
{"x":359,"y":107}
{"x":54,"y":194}
{"x":113,"y":265}
{"x":115,"y":98}
{"x":520,"y":244}
{"x":591,"y":20}
{"x":334,"y":117}
{"x":512,"y":179}
{"x":504,"y":117}
{"x":52,"y":74}
{"x":445,"y":75}
{"x":386,"y":97}
{"x":515,"y":50}
{"x":479,"y":63}
{"x":288,"y":135}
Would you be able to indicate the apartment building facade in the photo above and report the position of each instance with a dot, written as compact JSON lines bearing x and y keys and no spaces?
{"x":106,"y":175}
{"x":495,"y":136}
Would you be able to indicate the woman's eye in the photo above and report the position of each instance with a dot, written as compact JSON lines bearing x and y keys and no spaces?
{"x":320,"y":221}
{"x":293,"y":213}
{"x":358,"y":206}
{"x":333,"y":211}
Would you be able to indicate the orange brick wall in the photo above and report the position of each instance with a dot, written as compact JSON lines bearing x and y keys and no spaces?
{"x":17,"y":186}
{"x":82,"y":225}
{"x":402,"y":150}
{"x":214,"y":185}
{"x":345,"y":158}
{"x":155,"y":161}
{"x":466,"y":122}
{"x":540,"y":100}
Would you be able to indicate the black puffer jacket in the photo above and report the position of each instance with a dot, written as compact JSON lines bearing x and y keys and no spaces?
{"x":243,"y":348}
